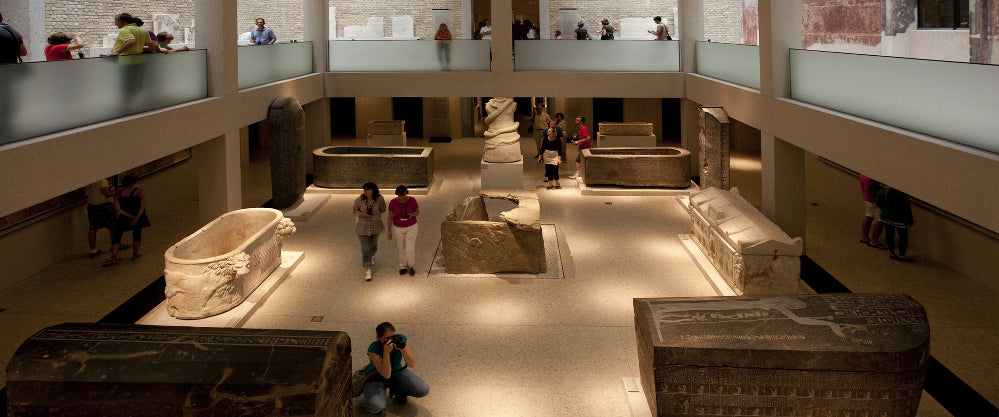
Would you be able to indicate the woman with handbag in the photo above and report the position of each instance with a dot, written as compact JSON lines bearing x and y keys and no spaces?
{"x":386,"y":370}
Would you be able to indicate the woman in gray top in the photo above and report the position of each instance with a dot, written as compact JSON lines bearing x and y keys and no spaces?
{"x":368,"y":207}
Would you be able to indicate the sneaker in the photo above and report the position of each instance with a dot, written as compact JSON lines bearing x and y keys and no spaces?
{"x":94,"y":253}
{"x":367,"y":275}
{"x":402,"y":271}
{"x":558,"y":187}
{"x":399,"y":399}
{"x":110,"y":262}
{"x":412,"y":272}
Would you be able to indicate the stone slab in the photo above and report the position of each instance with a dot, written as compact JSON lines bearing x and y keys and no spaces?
{"x":472,"y":244}
{"x":502,"y":176}
{"x":553,"y":261}
{"x":112,"y":370}
{"x":623,"y":141}
{"x":636,"y":397}
{"x":626,"y":129}
{"x":386,"y":127}
{"x":790,"y":355}
{"x":239,"y":315}
{"x":614,"y":190}
{"x":434,"y":186}
{"x":387,"y":140}
{"x":305,"y":207}
{"x":283,"y":132}
{"x":714,"y":278}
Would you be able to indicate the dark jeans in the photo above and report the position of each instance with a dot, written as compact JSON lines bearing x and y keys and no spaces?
{"x":402,"y":382}
{"x":903,"y":238}
{"x":369,"y":245}
{"x":551,"y":172}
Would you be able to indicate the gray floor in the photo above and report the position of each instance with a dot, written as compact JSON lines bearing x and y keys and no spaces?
{"x":505,"y":346}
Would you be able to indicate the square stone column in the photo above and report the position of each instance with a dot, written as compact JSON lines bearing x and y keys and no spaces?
{"x":217,"y":34}
{"x":780,"y":29}
{"x":501,"y":20}
{"x":783,"y":184}
{"x":220,"y":188}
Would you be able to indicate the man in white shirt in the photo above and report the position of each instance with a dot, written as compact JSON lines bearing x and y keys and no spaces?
{"x":486,"y":31}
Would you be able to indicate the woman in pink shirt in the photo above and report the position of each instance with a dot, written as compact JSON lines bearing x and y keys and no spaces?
{"x":403,"y":211}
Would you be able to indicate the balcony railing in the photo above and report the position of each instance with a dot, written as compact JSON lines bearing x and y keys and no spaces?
{"x":264,"y":64}
{"x":597,"y":56}
{"x":39,"y":98}
{"x":408,"y":55}
{"x":955,"y":101}
{"x":738,"y":64}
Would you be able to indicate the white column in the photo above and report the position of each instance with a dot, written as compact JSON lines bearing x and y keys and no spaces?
{"x":467,"y":25}
{"x":501,"y":20}
{"x":783,"y":184}
{"x":27,"y":17}
{"x":216,"y":32}
{"x":544,"y":22}
{"x":317,"y":27}
{"x":780,"y":29}
{"x":219,"y":186}
{"x":690,"y":29}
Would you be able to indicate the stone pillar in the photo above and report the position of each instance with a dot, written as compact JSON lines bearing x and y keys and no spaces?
{"x":715,"y":148}
{"x":219,"y":38}
{"x":780,"y":29}
{"x":367,"y":109}
{"x":783,"y":184}
{"x":544,"y":20}
{"x":981,"y":29}
{"x":28,"y":18}
{"x":502,"y":43}
{"x":690,"y":29}
{"x":219,"y":176}
{"x":317,"y":16}
{"x":284,"y":134}
{"x":467,"y":24}
{"x":690,"y":131}
{"x":317,"y":128}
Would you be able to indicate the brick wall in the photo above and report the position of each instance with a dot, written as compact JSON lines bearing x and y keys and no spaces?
{"x":283,"y":16}
{"x":591,"y":12}
{"x":357,"y":12}
{"x":855,"y":22}
{"x":723,"y":21}
{"x":95,"y":18}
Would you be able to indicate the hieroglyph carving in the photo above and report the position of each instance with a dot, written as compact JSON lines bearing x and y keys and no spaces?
{"x":502,"y":139}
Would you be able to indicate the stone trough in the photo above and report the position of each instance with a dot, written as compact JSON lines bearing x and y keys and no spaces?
{"x":387,"y":166}
{"x":637,"y":167}
{"x":217,"y":267}
{"x":615,"y":135}
{"x":474,"y":245}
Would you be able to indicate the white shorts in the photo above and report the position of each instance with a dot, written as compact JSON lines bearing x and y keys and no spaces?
{"x":872,"y":210}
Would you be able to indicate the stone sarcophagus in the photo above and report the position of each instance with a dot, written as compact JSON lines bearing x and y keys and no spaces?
{"x":474,"y":245}
{"x":799,"y":355}
{"x":615,"y":135}
{"x":217,"y":267}
{"x":118,"y":370}
{"x":387,"y":166}
{"x":387,"y":133}
{"x":753,"y":255}
{"x":637,"y":167}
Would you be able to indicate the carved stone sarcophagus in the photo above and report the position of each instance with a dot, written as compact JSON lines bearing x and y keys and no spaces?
{"x":217,"y":267}
{"x":753,"y":255}
{"x":796,"y":355}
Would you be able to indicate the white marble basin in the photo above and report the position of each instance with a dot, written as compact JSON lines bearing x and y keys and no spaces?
{"x":217,"y":267}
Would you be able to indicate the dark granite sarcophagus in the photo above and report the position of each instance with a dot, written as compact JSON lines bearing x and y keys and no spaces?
{"x":106,"y":370}
{"x":799,"y":355}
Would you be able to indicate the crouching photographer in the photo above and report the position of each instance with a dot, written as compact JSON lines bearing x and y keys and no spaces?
{"x":386,"y":370}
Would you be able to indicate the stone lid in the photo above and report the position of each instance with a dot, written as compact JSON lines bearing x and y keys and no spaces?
{"x":386,"y":127}
{"x":625,"y":129}
{"x":742,"y":224}
{"x":832,"y":332}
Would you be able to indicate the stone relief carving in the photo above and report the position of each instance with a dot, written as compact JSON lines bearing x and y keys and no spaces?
{"x":474,"y":245}
{"x":715,"y":152}
{"x":502,"y":139}
{"x":217,"y":267}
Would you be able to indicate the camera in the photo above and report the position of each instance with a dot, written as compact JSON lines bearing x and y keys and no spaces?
{"x":370,"y":211}
{"x":398,"y":341}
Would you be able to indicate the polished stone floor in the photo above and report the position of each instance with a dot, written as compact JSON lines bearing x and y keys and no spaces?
{"x":512,"y":346}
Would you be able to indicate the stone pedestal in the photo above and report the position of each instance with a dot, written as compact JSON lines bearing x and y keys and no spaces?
{"x":625,"y":141}
{"x":387,"y":140}
{"x":502,"y":176}
{"x":108,"y":370}
{"x":803,"y":355}
{"x":284,"y":135}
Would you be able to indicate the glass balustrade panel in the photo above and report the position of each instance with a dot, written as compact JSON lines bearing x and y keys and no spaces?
{"x":408,"y":55}
{"x":737,"y":64}
{"x":598,"y":56}
{"x":949,"y":100}
{"x":39,"y":98}
{"x":264,"y":64}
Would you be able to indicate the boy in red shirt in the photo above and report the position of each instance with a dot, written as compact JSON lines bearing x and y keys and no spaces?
{"x":581,"y":139}
{"x":59,"y":47}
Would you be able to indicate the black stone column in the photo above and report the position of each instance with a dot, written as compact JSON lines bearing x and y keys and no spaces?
{"x":284,"y":134}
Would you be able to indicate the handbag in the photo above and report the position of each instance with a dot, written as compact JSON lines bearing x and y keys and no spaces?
{"x":357,"y":381}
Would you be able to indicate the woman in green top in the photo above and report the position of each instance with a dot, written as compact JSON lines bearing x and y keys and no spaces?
{"x":386,"y":355}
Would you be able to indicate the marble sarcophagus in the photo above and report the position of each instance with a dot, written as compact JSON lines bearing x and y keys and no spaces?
{"x":217,"y":267}
{"x":387,"y":166}
{"x":796,"y":355}
{"x":753,"y":255}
